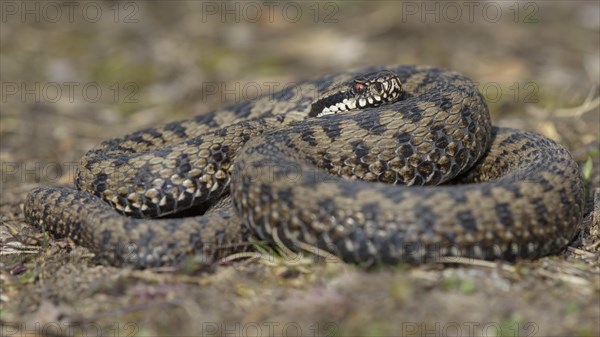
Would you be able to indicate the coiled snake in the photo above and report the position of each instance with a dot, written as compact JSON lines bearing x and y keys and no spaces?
{"x":323,"y":164}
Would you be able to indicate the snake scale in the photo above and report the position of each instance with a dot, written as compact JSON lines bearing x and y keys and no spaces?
{"x":325,"y":164}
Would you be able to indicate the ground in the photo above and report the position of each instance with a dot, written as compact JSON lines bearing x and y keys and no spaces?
{"x":74,"y":74}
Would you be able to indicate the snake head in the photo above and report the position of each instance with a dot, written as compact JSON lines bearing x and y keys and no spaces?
{"x":364,"y":91}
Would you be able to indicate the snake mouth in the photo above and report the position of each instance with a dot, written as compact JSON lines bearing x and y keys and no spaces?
{"x":364,"y":91}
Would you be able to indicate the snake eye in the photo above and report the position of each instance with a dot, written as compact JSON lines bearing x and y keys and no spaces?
{"x":359,"y":87}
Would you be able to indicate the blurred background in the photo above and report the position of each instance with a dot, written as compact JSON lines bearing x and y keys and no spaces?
{"x":76,"y":73}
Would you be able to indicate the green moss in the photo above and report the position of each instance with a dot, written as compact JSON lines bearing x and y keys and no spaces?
{"x":26,"y":276}
{"x":117,"y":69}
{"x":512,"y":327}
{"x":400,"y":289}
{"x":209,"y":60}
{"x":377,"y":328}
{"x":571,"y":307}
{"x":584,"y":332}
{"x":464,"y":286}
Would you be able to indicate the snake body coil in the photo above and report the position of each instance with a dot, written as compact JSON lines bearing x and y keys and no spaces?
{"x":303,"y":165}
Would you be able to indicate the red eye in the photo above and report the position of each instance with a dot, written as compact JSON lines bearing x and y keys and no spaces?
{"x":359,"y":87}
